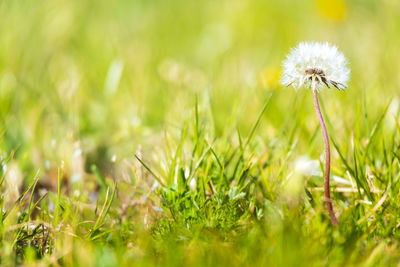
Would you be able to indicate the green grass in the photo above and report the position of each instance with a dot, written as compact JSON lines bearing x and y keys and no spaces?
{"x":156,"y":133}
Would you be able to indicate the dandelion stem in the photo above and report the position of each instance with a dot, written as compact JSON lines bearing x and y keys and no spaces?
{"x":327,"y":157}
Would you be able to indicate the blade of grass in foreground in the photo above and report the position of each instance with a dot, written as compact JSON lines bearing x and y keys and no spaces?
{"x":103,"y":213}
{"x":255,"y":125}
{"x":244,"y":145}
{"x":375,"y":129}
{"x":150,"y":171}
{"x":173,"y":169}
{"x":19,"y":201}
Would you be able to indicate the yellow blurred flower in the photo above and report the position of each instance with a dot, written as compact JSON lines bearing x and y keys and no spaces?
{"x":270,"y":77}
{"x":333,"y":9}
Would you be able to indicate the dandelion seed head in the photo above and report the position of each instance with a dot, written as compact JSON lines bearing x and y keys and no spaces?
{"x":314,"y":62}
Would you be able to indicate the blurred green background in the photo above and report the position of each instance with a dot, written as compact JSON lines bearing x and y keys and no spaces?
{"x":95,"y":80}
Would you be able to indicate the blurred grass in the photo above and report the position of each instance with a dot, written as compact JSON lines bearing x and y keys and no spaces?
{"x":87,"y":85}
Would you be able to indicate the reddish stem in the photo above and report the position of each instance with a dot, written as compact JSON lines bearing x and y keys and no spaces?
{"x":327,"y":159}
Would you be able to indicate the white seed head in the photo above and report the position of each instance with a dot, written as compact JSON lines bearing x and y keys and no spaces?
{"x":316,"y":63}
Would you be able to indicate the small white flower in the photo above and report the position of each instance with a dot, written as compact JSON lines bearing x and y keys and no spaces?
{"x":313,"y":62}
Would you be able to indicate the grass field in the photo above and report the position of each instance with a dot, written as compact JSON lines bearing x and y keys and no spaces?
{"x":157,"y":133}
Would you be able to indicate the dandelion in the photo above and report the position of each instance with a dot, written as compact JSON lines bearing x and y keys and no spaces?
{"x":315,"y":65}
